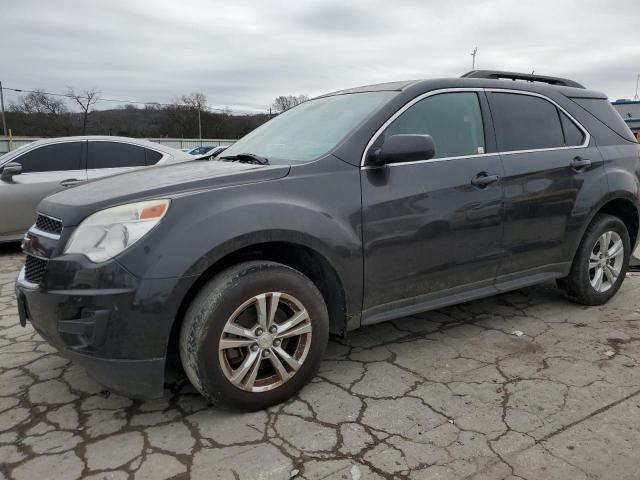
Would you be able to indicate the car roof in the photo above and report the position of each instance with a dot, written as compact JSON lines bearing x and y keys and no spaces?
{"x":421,"y":86}
{"x":134,"y":141}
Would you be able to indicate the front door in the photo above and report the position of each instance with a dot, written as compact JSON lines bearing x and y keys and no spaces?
{"x":45,"y":170}
{"x":432,"y":228}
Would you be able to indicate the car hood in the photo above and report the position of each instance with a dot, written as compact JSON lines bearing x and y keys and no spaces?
{"x":165,"y":181}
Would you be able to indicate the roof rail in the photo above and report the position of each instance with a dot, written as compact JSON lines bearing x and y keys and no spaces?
{"x":529,"y":77}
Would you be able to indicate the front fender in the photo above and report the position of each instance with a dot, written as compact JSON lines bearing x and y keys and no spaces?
{"x":318,"y":208}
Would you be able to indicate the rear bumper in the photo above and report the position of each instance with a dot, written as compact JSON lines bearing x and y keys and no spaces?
{"x":117,"y":327}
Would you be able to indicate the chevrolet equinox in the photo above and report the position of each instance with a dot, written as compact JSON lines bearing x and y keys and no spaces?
{"x":353,"y":208}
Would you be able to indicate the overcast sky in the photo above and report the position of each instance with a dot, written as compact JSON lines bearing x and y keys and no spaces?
{"x":242,"y":54}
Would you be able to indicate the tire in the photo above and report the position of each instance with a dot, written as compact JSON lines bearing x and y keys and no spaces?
{"x":578,"y":284}
{"x":231,"y":300}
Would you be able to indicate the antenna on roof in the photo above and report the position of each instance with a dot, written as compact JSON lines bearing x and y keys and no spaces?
{"x":473,"y":61}
{"x":635,"y":97}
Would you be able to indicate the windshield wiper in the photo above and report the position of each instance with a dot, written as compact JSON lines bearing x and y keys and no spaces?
{"x":246,"y":158}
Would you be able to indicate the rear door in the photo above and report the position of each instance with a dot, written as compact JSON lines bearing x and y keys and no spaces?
{"x":109,"y":158}
{"x":45,"y":170}
{"x":549,"y":164}
{"x":429,"y":228}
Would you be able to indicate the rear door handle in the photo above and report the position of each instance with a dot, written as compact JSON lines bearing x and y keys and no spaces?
{"x":70,"y":182}
{"x":483,"y":179}
{"x":579,"y":163}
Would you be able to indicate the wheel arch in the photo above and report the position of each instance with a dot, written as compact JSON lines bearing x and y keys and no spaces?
{"x":307,"y":260}
{"x":622,"y":205}
{"x":626,"y":211}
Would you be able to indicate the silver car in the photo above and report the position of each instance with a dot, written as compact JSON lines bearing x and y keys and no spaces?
{"x":34,"y":171}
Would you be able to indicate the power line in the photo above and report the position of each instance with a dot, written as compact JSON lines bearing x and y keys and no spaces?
{"x":100,"y":99}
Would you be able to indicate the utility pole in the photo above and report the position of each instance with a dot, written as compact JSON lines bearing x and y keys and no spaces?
{"x":473,"y":56}
{"x":199,"y":126}
{"x":635,"y":97}
{"x":4,"y":119}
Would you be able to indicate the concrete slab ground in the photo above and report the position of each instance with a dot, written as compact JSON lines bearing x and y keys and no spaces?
{"x":443,"y":395}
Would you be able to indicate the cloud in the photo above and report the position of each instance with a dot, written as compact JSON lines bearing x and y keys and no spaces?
{"x":243,"y":54}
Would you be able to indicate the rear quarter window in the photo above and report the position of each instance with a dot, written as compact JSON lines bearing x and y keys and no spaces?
{"x":603,"y":111}
{"x":152,"y":156}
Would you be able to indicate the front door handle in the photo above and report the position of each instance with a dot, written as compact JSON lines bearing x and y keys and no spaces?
{"x":483,"y":179}
{"x":70,"y":182}
{"x":579,"y":163}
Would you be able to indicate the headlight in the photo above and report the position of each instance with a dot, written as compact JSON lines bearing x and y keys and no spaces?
{"x":109,"y":232}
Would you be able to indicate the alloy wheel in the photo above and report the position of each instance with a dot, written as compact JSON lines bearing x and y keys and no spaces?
{"x":265,"y":341}
{"x":605,"y":261}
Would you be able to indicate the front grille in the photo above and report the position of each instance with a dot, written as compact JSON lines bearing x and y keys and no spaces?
{"x":34,"y":269}
{"x":48,"y":224}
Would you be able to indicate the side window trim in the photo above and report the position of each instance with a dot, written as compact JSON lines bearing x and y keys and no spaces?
{"x":491,"y":127}
{"x":490,"y":140}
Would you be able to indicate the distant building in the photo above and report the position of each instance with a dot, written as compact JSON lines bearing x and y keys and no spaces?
{"x":629,"y":110}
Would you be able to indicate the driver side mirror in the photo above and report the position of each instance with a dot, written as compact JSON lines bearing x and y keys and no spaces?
{"x":403,"y":148}
{"x":9,"y":170}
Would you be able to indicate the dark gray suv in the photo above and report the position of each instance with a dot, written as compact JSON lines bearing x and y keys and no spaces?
{"x":353,"y":208}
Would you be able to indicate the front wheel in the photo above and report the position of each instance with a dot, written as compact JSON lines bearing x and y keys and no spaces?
{"x":254,"y":335}
{"x":600,"y":264}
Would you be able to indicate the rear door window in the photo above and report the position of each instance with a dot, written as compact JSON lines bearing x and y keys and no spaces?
{"x":52,"y":158}
{"x":454,"y":121}
{"x":115,"y":155}
{"x":525,"y":122}
{"x":573,"y":136}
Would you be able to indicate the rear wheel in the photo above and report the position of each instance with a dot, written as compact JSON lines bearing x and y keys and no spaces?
{"x":600,"y":264}
{"x":254,"y":335}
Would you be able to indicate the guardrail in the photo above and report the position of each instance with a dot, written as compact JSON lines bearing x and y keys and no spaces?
{"x":11,"y":143}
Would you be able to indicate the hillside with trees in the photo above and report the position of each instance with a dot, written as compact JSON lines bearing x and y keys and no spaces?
{"x":38,"y":114}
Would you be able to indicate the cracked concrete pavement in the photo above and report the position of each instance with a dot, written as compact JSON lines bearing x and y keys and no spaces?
{"x":441,"y":395}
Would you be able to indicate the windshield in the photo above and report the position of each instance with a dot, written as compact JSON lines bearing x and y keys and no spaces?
{"x":200,"y":150}
{"x":309,"y":130}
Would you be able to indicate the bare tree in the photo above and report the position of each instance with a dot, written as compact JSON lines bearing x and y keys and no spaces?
{"x":85,"y":100}
{"x":39,"y":104}
{"x":285,"y":102}
{"x":197,"y":101}
{"x":184,"y":115}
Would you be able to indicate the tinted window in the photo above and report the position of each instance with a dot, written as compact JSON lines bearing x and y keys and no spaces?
{"x":453,"y":120}
{"x":115,"y":155}
{"x":152,"y":156}
{"x":524,"y":122}
{"x":49,"y":158}
{"x":201,"y":150}
{"x":573,"y":136}
{"x":608,"y":115}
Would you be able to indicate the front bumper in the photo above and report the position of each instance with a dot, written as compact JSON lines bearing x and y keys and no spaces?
{"x":105,"y":319}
